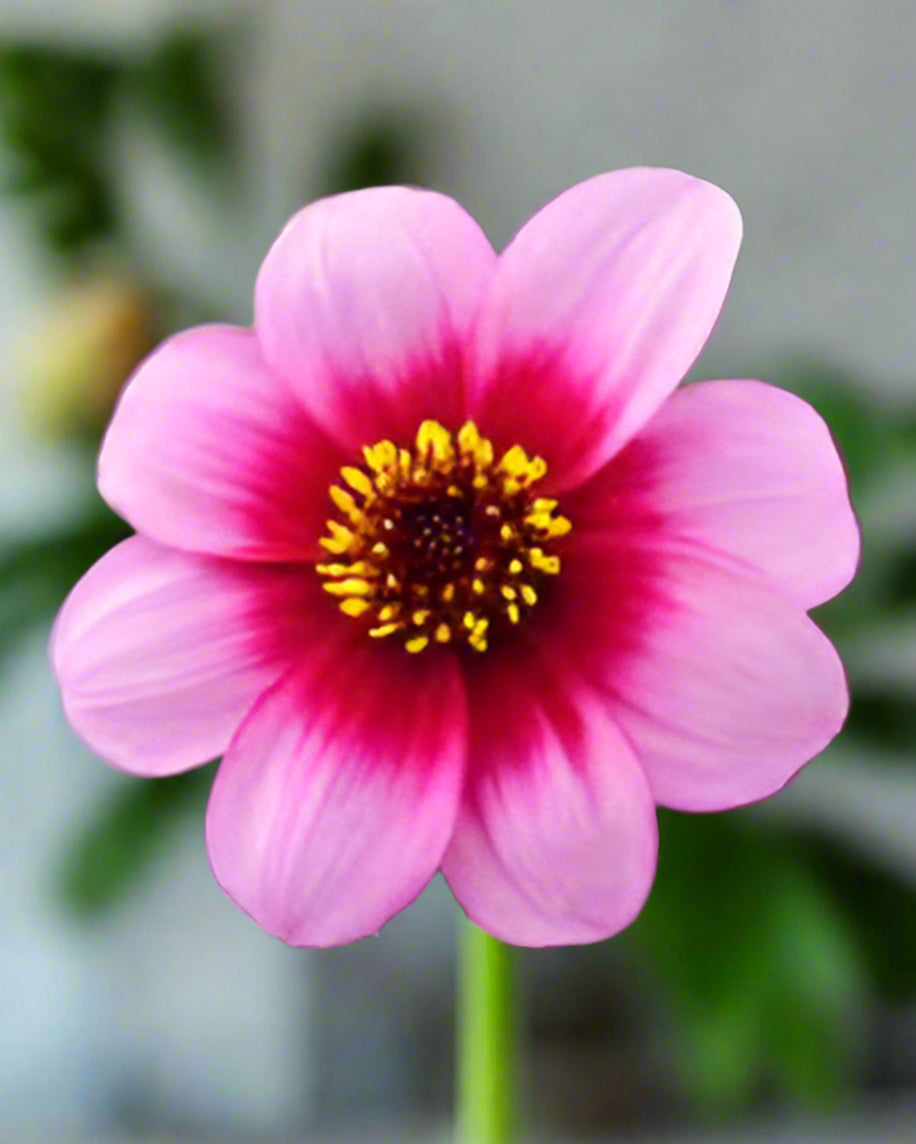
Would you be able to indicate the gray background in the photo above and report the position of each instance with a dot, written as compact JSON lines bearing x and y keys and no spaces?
{"x":803,"y":111}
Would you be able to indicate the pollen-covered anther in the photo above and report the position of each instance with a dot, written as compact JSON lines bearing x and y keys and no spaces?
{"x":441,"y":543}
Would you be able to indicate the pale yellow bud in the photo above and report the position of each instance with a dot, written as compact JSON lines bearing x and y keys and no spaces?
{"x":75,"y":360}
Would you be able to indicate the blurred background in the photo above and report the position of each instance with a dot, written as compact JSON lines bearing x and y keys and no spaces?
{"x":149,"y":152}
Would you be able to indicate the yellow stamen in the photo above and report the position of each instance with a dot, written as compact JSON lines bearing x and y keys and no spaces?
{"x":472,"y":445}
{"x":514,"y":462}
{"x":468,"y":438}
{"x":385,"y":630}
{"x":350,"y":587}
{"x":552,"y":525}
{"x":548,"y":564}
{"x":353,"y":606}
{"x":357,"y":480}
{"x":358,"y":568}
{"x":340,"y":540}
{"x":381,"y":457}
{"x":559,"y":526}
{"x":436,"y":441}
{"x":537,"y":469}
{"x":478,"y":637}
{"x":543,"y":504}
{"x":345,"y":503}
{"x":431,"y":541}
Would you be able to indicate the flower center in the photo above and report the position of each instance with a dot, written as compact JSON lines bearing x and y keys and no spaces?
{"x":441,"y":542}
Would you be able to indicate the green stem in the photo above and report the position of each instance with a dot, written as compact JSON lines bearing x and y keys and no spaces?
{"x":486,"y":1039}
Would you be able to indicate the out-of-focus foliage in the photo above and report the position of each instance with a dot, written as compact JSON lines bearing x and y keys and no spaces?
{"x":757,"y":960}
{"x":35,"y":575}
{"x":54,"y":109}
{"x":57,"y":111}
{"x":880,"y":911}
{"x":381,"y":148}
{"x":177,"y":86}
{"x":766,"y":945}
{"x":114,"y":848}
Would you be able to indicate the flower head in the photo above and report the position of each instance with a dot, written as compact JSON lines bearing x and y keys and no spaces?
{"x":440,"y":563}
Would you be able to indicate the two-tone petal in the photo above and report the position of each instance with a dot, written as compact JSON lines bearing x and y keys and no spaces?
{"x":598,"y":308}
{"x":365,"y":304}
{"x":159,"y":654}
{"x":556,"y":841}
{"x":337,"y":799}
{"x":209,"y":451}
{"x":721,"y":683}
{"x":742,"y":469}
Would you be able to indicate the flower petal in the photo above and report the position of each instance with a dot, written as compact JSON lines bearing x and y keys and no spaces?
{"x":334,"y":805}
{"x":556,"y":840}
{"x":743,"y":468}
{"x":722,"y":684}
{"x":598,"y":308}
{"x":159,"y":654}
{"x":210,"y":452}
{"x":364,"y":304}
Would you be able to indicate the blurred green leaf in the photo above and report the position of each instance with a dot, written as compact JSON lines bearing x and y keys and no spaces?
{"x":54,"y":108}
{"x":759,"y":965}
{"x":868,"y":437}
{"x":818,"y":985}
{"x":882,"y":720}
{"x":36,"y":574}
{"x":124,"y":838}
{"x":382,"y":148}
{"x":179,"y":89}
{"x":881,"y":910}
{"x":905,"y":429}
{"x":899,"y":581}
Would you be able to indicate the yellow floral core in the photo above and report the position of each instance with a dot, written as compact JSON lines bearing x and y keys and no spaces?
{"x":441,"y":542}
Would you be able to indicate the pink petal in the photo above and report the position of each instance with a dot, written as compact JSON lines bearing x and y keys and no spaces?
{"x":334,"y":805}
{"x":556,"y":840}
{"x":364,"y":303}
{"x":159,"y":654}
{"x":743,"y":468}
{"x":723,"y":686}
{"x":599,"y":306}
{"x":210,"y":452}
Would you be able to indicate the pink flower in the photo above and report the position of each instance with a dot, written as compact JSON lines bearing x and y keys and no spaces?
{"x":442,"y":566}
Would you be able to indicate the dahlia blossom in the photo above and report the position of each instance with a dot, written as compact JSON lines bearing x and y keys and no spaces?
{"x":439,"y":561}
